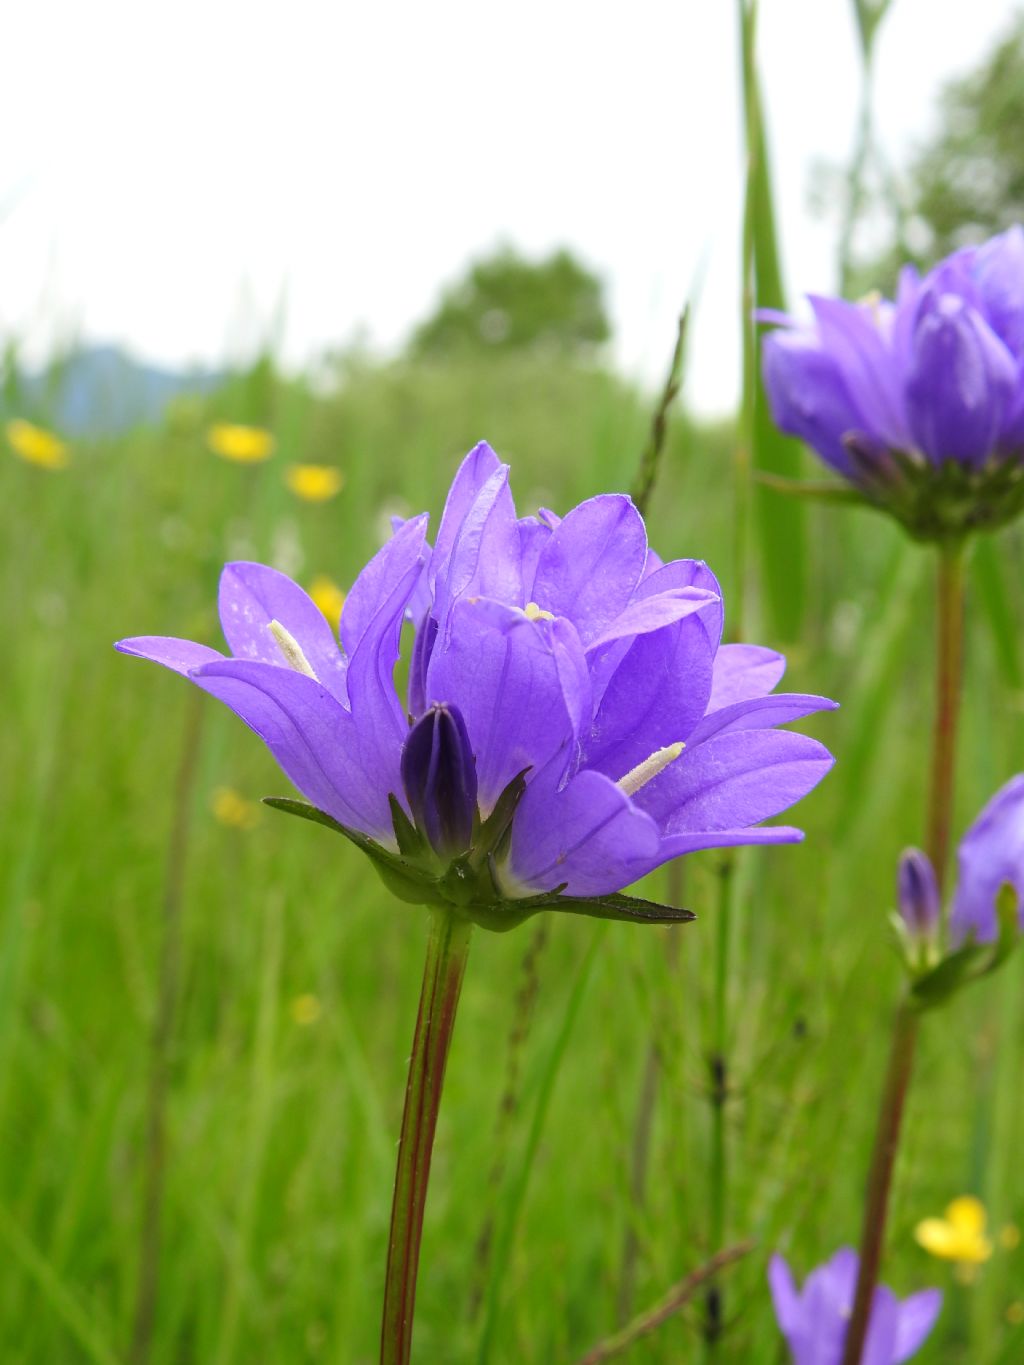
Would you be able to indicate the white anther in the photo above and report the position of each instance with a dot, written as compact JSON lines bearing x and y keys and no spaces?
{"x":649,"y":769}
{"x":291,"y":649}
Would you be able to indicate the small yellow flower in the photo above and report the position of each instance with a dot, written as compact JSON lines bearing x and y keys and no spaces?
{"x":232,"y":809}
{"x":328,"y":597}
{"x":306,"y":1009}
{"x":36,"y":445}
{"x":243,"y":445}
{"x":960,"y":1236}
{"x":1015,"y":1313}
{"x":314,"y":482}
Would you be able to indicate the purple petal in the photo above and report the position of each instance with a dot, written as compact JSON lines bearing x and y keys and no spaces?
{"x":533,"y":536}
{"x":743,"y":672}
{"x":917,"y":1317}
{"x":376,"y":626}
{"x":808,"y":396}
{"x":759,"y":713}
{"x":588,"y":835}
{"x":883,"y":1325}
{"x":656,"y":696}
{"x":694,"y":841}
{"x":998,"y":271}
{"x":501,"y":671}
{"x":785,"y":1297}
{"x":250,"y":596}
{"x":851,"y":335}
{"x":688,"y":573}
{"x":373,"y":591}
{"x":961,"y":383}
{"x":735,"y":780}
{"x":318,"y":744}
{"x":472,"y":474}
{"x":485,"y":554}
{"x":991,"y":853}
{"x":652,"y":613}
{"x":592,"y":564}
{"x":181,"y":656}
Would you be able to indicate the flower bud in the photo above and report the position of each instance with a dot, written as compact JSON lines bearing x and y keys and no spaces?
{"x":439,"y":776}
{"x":918,"y":894}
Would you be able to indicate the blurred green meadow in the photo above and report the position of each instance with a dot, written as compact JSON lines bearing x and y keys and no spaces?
{"x":295,"y":975}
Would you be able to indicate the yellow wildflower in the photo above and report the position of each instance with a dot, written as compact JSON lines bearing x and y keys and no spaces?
{"x":243,"y":445}
{"x":959,"y":1236}
{"x":36,"y":445}
{"x":328,"y":597}
{"x":232,"y":809}
{"x":314,"y":482}
{"x":1015,"y":1313}
{"x":306,"y":1009}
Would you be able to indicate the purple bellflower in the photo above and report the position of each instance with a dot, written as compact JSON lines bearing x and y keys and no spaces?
{"x":986,"y":916}
{"x":814,"y":1319}
{"x":572,"y":720}
{"x":918,"y":401}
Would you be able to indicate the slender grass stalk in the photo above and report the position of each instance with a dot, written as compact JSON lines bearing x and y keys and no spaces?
{"x":643,"y":484}
{"x":676,"y":1298}
{"x":718,"y":1068}
{"x":162,"y":1036}
{"x":508,"y":1105}
{"x":948,"y":678}
{"x":447,"y":950}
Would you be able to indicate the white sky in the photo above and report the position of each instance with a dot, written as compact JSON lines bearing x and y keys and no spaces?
{"x":170,"y":176}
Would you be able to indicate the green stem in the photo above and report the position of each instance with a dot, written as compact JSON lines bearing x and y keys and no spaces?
{"x":447,"y":950}
{"x":949,"y":670}
{"x":948,"y":675}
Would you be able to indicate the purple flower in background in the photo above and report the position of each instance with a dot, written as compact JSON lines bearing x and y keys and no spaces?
{"x":814,"y":1319}
{"x":575,"y":719}
{"x":991,"y":855}
{"x":919,"y":401}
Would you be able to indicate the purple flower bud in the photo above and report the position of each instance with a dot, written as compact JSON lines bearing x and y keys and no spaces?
{"x":439,"y":777}
{"x":918,"y":891}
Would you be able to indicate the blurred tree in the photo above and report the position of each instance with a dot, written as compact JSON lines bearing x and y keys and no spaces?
{"x":507,"y":303}
{"x":963,"y":184}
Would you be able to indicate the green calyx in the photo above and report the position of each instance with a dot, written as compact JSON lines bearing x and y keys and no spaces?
{"x":934,"y":503}
{"x":936,"y":978}
{"x":468,"y":885}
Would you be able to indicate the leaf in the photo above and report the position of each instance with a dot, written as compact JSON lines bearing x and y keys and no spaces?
{"x":631,"y":909}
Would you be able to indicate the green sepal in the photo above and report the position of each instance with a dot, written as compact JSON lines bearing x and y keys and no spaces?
{"x":411,"y":843}
{"x":471,"y":888}
{"x":973,"y":960}
{"x":491,"y":837}
{"x":812,"y":490}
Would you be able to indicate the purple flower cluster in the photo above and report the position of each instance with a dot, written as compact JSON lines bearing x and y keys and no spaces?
{"x":559,"y":654}
{"x":814,"y":1319}
{"x":991,"y":856}
{"x":918,"y":401}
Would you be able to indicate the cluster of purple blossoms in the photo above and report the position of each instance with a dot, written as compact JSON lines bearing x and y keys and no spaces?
{"x":572,"y":719}
{"x":919,"y":401}
{"x":814,"y":1319}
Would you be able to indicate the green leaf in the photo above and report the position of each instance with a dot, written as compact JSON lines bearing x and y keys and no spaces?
{"x":631,"y":909}
{"x":989,"y":572}
{"x":781,"y":526}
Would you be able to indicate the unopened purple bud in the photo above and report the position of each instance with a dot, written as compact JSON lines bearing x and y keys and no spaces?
{"x":439,"y":776}
{"x":918,"y":891}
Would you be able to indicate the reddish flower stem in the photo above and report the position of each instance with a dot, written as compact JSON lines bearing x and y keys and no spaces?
{"x":447,"y":949}
{"x":948,"y":676}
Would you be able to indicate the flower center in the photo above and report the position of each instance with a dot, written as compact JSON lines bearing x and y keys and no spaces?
{"x":292,"y":650}
{"x":649,"y":769}
{"x":535,"y":613}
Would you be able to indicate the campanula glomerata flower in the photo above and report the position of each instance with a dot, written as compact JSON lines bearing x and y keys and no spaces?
{"x":572,"y":719}
{"x":814,"y":1319}
{"x":918,"y":401}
